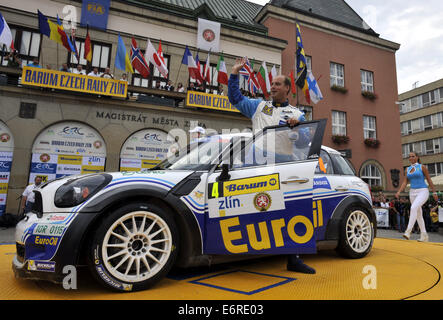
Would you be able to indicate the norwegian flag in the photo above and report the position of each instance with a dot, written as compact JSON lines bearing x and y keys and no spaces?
{"x":138,"y":61}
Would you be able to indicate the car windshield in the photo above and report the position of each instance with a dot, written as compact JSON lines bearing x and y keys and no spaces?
{"x":197,"y":155}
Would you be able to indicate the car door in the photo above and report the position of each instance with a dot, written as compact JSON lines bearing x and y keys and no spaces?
{"x":263,"y":203}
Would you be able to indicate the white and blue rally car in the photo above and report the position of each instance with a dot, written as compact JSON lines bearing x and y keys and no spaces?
{"x":223,"y":197}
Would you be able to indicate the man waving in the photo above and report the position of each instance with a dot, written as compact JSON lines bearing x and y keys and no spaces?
{"x":263,"y":114}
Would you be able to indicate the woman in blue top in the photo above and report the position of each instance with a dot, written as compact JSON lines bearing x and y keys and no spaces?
{"x":418,"y":194}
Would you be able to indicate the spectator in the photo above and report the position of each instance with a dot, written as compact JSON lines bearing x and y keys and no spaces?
{"x":107,"y":74}
{"x":34,"y":63}
{"x":180,"y":87}
{"x":197,"y":133}
{"x":124,"y":77}
{"x":14,"y":60}
{"x":220,"y":90}
{"x":427,"y":214}
{"x":79,"y":70}
{"x":400,"y":212}
{"x":434,"y":218}
{"x":28,"y":197}
{"x":94,"y":73}
{"x":169,"y":86}
{"x":65,"y":68}
{"x":191,"y":87}
{"x":48,"y":66}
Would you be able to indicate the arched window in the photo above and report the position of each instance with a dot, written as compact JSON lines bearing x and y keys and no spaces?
{"x":372,"y":175}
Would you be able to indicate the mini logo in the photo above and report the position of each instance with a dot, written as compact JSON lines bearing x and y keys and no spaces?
{"x":45,"y":157}
{"x":262,"y":201}
{"x":208,"y":35}
{"x":4,"y":137}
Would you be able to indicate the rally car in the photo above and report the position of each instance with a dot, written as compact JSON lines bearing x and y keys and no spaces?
{"x":224,"y":196}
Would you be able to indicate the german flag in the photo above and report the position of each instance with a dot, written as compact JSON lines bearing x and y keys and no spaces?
{"x":88,"y":48}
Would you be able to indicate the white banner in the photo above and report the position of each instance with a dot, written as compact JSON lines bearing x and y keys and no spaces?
{"x":382,"y":217}
{"x":208,"y":35}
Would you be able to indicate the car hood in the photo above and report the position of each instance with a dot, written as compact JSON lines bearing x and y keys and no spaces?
{"x":163,"y":179}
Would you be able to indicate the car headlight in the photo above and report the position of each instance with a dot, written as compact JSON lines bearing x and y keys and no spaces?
{"x":76,"y":191}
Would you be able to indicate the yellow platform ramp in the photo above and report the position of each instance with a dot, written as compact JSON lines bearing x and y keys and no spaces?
{"x":395,"y":269}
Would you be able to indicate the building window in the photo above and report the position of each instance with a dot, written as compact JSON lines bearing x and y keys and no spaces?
{"x":428,"y":98}
{"x":367,"y":81}
{"x":371,"y":175}
{"x":339,"y":123}
{"x":369,"y":127}
{"x":307,"y":110}
{"x":27,"y":42}
{"x":441,"y":94}
{"x":337,"y":73}
{"x":415,"y":103}
{"x":101,"y":55}
{"x":427,"y":123}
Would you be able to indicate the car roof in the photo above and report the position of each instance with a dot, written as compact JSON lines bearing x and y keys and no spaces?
{"x":249,"y":135}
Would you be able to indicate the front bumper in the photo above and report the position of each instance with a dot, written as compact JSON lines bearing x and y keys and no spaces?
{"x":24,"y":271}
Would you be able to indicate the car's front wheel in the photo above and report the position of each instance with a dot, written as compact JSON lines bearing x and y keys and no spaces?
{"x":356,"y":233}
{"x":134,"y":247}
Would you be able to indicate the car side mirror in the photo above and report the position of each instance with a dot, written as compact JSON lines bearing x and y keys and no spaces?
{"x":224,"y":175}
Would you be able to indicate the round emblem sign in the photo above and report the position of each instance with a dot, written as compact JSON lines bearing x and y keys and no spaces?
{"x":4,"y":137}
{"x":97,"y":144}
{"x":208,"y":35}
{"x":262,"y":201}
{"x":45,"y":157}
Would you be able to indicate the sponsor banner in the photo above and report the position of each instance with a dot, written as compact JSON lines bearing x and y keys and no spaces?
{"x":57,"y":166}
{"x":147,"y":164}
{"x":73,"y":82}
{"x":4,"y":177}
{"x":5,"y":166}
{"x":69,"y":138}
{"x":382,"y":217}
{"x":3,"y":188}
{"x":71,"y":160}
{"x":2,"y":199}
{"x":209,"y":101}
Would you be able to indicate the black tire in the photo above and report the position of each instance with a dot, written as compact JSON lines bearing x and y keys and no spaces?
{"x":356,"y":233}
{"x":123,"y":258}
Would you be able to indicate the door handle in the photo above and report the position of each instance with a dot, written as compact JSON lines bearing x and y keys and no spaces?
{"x":296,"y":180}
{"x":340,"y":188}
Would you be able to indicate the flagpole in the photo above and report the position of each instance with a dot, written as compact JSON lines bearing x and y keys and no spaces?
{"x":178,"y":73}
{"x":296,"y":67}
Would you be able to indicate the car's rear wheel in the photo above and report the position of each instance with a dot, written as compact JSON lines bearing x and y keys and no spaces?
{"x":356,"y":233}
{"x":134,"y":247}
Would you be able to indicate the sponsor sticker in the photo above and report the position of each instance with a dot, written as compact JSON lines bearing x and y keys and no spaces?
{"x":244,"y":186}
{"x":262,"y":201}
{"x":49,"y":229}
{"x":322,"y":183}
{"x":45,"y":266}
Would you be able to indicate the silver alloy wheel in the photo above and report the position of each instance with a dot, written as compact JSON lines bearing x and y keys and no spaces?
{"x":358,"y":231}
{"x":137,"y":246}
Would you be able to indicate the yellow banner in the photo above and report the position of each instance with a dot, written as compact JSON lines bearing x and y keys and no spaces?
{"x":73,"y":82}
{"x":92,"y":169}
{"x":63,"y":159}
{"x":209,"y":101}
{"x":3,"y":188}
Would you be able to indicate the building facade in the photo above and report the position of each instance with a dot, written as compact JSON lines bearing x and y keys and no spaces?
{"x":356,"y":72}
{"x":421,"y":116}
{"x":44,"y":130}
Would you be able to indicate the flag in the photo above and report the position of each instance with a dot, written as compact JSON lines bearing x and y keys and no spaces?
{"x":122,"y":60}
{"x":138,"y":61}
{"x":222,"y":73}
{"x":194,"y":71}
{"x":248,"y":68}
{"x":200,"y":80}
{"x":272,"y":74}
{"x":152,"y":56}
{"x":160,"y":52}
{"x":54,"y":31}
{"x":207,"y":70}
{"x":301,"y":60}
{"x":88,"y":49}
{"x":314,"y":90}
{"x":5,"y":33}
{"x":76,"y":52}
{"x":293,"y":88}
{"x":263,"y":80}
